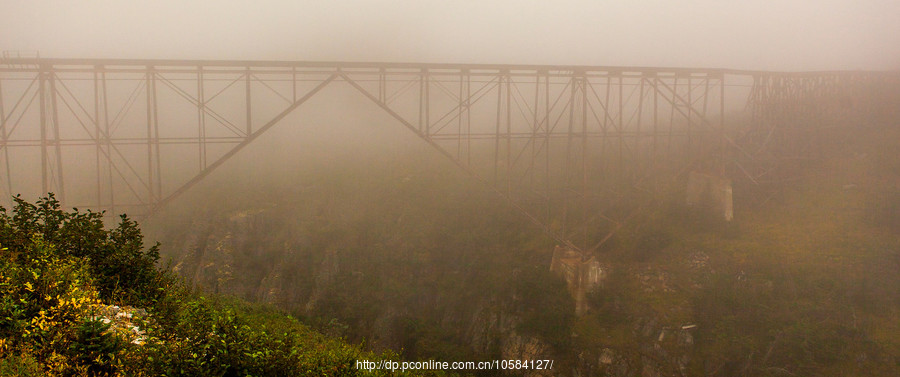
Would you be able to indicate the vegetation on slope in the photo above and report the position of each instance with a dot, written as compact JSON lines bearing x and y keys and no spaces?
{"x":63,"y":275}
{"x":804,"y":283}
{"x":400,"y":252}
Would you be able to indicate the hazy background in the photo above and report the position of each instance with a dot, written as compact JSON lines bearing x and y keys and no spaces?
{"x":768,"y":35}
{"x":346,"y":219}
{"x":774,"y":35}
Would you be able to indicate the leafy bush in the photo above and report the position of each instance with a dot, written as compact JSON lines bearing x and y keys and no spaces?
{"x":95,"y":348}
{"x":60,"y":271}
{"x":796,"y":321}
{"x":118,"y":262}
{"x":45,"y":298}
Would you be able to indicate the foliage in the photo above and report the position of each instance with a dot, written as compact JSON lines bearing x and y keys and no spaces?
{"x":802,"y":331}
{"x":46,"y":296}
{"x":59,"y":274}
{"x":806,"y":289}
{"x":122,"y":269}
{"x":95,"y":347}
{"x":368,"y":253}
{"x":798,"y":283}
{"x":545,"y":312}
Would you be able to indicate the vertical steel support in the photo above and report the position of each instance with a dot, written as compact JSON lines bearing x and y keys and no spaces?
{"x":159,"y":193}
{"x":723,"y":138}
{"x":293,"y":84}
{"x":690,"y":107}
{"x":463,"y":121}
{"x":508,"y":134}
{"x":469,"y":119}
{"x":639,"y":138}
{"x":4,"y":140}
{"x":382,"y":86}
{"x":547,"y":144}
{"x":584,"y":157}
{"x":422,"y":101}
{"x":705,"y":94}
{"x":248,"y":102}
{"x":108,"y":135}
{"x":497,"y":128}
{"x":460,"y":111}
{"x":603,"y":129}
{"x":201,"y":119}
{"x":60,"y":183}
{"x":427,"y":104}
{"x":149,"y":87}
{"x":568,"y":162}
{"x":671,"y":118}
{"x":654,"y":146}
{"x":43,"y":121}
{"x":621,"y":130}
{"x":607,"y":117}
{"x":97,"y":134}
{"x":534,"y":129}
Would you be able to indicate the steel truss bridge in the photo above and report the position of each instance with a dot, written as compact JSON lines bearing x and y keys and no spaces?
{"x":579,"y":150}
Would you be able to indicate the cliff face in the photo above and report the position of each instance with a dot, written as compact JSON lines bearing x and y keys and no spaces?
{"x":472,"y":306}
{"x":378,"y":288}
{"x":803,"y":282}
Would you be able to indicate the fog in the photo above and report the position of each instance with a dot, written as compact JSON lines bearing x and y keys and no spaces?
{"x":663,"y":222}
{"x":784,"y":36}
{"x":769,"y":35}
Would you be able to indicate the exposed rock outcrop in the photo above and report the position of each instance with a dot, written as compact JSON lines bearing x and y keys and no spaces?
{"x":581,"y":275}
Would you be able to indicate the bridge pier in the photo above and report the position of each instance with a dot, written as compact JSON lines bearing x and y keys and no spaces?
{"x":583,"y":274}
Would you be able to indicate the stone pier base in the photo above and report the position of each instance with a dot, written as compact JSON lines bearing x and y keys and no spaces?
{"x":581,"y":275}
{"x":710,"y":191}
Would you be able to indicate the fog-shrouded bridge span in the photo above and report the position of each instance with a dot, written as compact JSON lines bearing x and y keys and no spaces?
{"x":579,"y":150}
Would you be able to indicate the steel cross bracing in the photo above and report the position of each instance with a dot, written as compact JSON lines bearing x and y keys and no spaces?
{"x":792,"y":114}
{"x":578,"y":150}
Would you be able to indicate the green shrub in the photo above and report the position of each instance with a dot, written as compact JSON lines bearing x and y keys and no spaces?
{"x":117,"y":259}
{"x":19,"y":365}
{"x":61,"y":271}
{"x":95,"y":349}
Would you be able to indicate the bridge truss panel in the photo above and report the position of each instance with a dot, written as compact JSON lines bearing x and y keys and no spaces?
{"x":143,"y":133}
{"x":567,"y":147}
{"x":578,"y":150}
{"x":793,"y":115}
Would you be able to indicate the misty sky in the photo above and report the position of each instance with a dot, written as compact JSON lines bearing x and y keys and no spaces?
{"x":777,"y":35}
